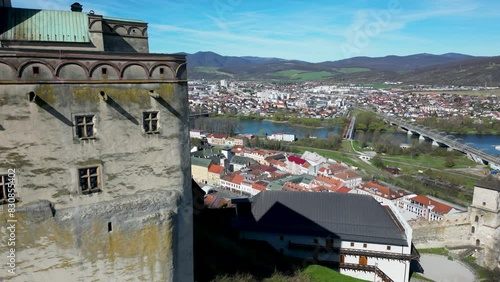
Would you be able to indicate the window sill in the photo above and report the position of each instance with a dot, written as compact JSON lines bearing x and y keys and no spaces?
{"x":91,"y":191}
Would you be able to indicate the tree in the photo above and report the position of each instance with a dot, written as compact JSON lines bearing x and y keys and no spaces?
{"x":377,"y":161}
{"x":361,"y":138}
{"x":196,"y":142}
{"x":449,"y":162}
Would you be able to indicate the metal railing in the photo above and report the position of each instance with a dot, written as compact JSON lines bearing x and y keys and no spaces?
{"x":414,"y":255}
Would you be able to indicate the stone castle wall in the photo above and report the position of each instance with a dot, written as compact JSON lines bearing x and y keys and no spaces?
{"x":453,"y":230}
{"x":139,"y":225}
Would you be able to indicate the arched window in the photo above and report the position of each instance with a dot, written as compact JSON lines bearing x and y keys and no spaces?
{"x":476,"y":219}
{"x":478,"y":243}
{"x":473,"y":229}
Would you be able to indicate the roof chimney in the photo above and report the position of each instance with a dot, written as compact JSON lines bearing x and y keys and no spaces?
{"x":76,"y":7}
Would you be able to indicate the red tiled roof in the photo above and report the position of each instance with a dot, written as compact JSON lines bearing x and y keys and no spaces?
{"x":260,"y":185}
{"x":337,"y":168}
{"x":238,"y":179}
{"x":218,"y":135}
{"x":296,"y":160}
{"x":343,"y":189}
{"x":438,"y":207}
{"x":346,"y":175}
{"x":328,"y":180}
{"x":290,"y":186}
{"x":217,"y":169}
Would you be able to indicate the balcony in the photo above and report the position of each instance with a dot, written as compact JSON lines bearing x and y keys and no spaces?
{"x":356,"y":252}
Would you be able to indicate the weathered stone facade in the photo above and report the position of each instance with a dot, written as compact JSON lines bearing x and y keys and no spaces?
{"x":107,"y":200}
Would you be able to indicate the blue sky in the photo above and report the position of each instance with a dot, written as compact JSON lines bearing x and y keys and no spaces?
{"x":313,"y":31}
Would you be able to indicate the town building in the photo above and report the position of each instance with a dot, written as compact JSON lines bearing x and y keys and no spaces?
{"x":282,"y":137}
{"x":96,"y":130}
{"x":214,"y":174}
{"x":349,"y":178}
{"x":315,"y":160}
{"x":217,"y":139}
{"x":199,"y":134}
{"x":296,"y":165}
{"x":352,"y":233}
{"x":426,"y":208}
{"x":381,"y":193}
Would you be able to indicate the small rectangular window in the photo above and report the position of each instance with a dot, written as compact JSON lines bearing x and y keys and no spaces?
{"x":90,"y":180}
{"x":110,"y":227}
{"x":388,"y":248}
{"x":85,"y":126}
{"x":365,"y":245}
{"x":150,"y":122}
{"x":36,"y":70}
{"x":162,"y":70}
{"x":329,"y":242}
{"x":104,"y":70}
{"x":352,"y":244}
{"x":5,"y":188}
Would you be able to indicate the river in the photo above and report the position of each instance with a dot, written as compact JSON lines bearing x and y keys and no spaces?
{"x":485,"y":143}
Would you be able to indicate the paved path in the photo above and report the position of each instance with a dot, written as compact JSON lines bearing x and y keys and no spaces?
{"x":440,"y":268}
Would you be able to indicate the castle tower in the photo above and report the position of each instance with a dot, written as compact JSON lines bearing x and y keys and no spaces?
{"x":485,"y":220}
{"x":94,"y":160}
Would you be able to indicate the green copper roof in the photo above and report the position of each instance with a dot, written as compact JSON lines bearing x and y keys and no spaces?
{"x":43,"y":25}
{"x":200,"y":162}
{"x":122,"y":19}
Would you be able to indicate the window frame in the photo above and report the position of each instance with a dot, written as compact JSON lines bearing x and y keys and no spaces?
{"x":93,"y":123}
{"x":88,"y":175}
{"x":150,"y":120}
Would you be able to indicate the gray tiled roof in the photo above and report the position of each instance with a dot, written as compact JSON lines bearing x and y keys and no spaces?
{"x":242,"y":160}
{"x":351,"y":217}
{"x":200,"y":162}
{"x":489,"y":182}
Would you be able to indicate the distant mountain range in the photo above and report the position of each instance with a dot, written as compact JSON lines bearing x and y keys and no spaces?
{"x":445,"y":69}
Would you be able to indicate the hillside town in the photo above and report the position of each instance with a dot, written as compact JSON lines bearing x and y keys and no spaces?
{"x":316,"y":100}
{"x":232,"y":166}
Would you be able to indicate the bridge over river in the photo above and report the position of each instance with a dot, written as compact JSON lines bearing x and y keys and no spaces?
{"x":444,"y":140}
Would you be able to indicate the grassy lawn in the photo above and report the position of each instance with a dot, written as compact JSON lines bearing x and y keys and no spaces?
{"x":418,"y":276}
{"x":428,"y":161}
{"x":323,"y":274}
{"x":435,"y":251}
{"x":481,"y":271}
{"x":213,"y":70}
{"x":301,"y":75}
{"x":352,"y":70}
{"x":346,"y":156}
{"x":313,"y":273}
